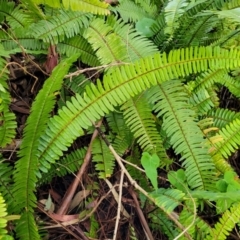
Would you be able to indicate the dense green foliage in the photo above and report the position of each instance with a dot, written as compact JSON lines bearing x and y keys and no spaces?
{"x":164,"y":64}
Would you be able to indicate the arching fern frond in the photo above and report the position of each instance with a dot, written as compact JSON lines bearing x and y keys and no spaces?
{"x":78,"y":44}
{"x":186,"y":137}
{"x":137,"y":45}
{"x":7,"y":118}
{"x":5,"y":183}
{"x":91,"y":6}
{"x":137,"y":11}
{"x":55,"y":28}
{"x":108,"y":45}
{"x":68,"y":164}
{"x":103,"y":158}
{"x":24,"y":176}
{"x":231,"y":137}
{"x":168,"y":199}
{"x":222,"y":116}
{"x":122,"y":138}
{"x":15,"y":17}
{"x":120,"y":85}
{"x":226,"y":223}
{"x":138,"y":116}
{"x":173,"y":11}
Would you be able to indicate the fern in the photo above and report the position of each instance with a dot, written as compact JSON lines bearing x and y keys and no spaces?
{"x":231,"y":136}
{"x":137,"y":113}
{"x":167,"y":199}
{"x":177,"y":114}
{"x":7,"y":118}
{"x":119,"y":86}
{"x":25,"y":177}
{"x":67,"y":165}
{"x":173,"y":11}
{"x":225,"y":224}
{"x":108,"y":45}
{"x":79,"y":45}
{"x":92,"y":6}
{"x":103,"y":158}
{"x":55,"y":28}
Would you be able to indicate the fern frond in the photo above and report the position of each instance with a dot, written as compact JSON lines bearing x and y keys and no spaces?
{"x":91,"y":6}
{"x":69,"y":164}
{"x":7,"y":119}
{"x":159,"y":219}
{"x":6,"y":183}
{"x":137,"y":11}
{"x":55,"y":28}
{"x":186,"y":137}
{"x":24,"y":176}
{"x":231,"y":138}
{"x":201,"y":101}
{"x":120,"y":85}
{"x":108,"y":45}
{"x":167,"y":199}
{"x":14,"y":15}
{"x":123,"y":138}
{"x":79,"y":45}
{"x":137,"y":45}
{"x":226,"y":223}
{"x":138,"y":116}
{"x":188,"y":215}
{"x":26,"y":227}
{"x":3,"y":221}
{"x":222,"y":117}
{"x":173,"y":11}
{"x":103,"y":158}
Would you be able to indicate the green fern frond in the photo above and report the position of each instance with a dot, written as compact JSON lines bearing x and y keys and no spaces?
{"x":201,"y":101}
{"x":5,"y":183}
{"x":103,"y":158}
{"x":55,"y":28}
{"x":7,"y":118}
{"x":79,"y":45}
{"x":26,"y":227}
{"x":222,"y":117}
{"x":69,"y":164}
{"x":220,"y":163}
{"x":137,"y":45}
{"x":15,"y":17}
{"x":167,"y":199}
{"x":173,"y":11}
{"x":226,"y":223}
{"x":137,"y":11}
{"x":108,"y":45}
{"x":91,"y":6}
{"x":231,"y":138}
{"x":3,"y":221}
{"x":120,"y":85}
{"x":200,"y":228}
{"x":24,"y":176}
{"x":122,"y":137}
{"x":138,"y":116}
{"x":186,"y":137}
{"x":159,"y":219}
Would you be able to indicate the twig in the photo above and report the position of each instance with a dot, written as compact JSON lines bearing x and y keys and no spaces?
{"x":116,"y":196}
{"x":141,"y":216}
{"x":119,"y":206}
{"x":72,"y":189}
{"x":78,"y":72}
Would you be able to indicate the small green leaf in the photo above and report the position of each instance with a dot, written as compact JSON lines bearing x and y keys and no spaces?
{"x":144,"y":27}
{"x":150,"y":163}
{"x":221,"y":185}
